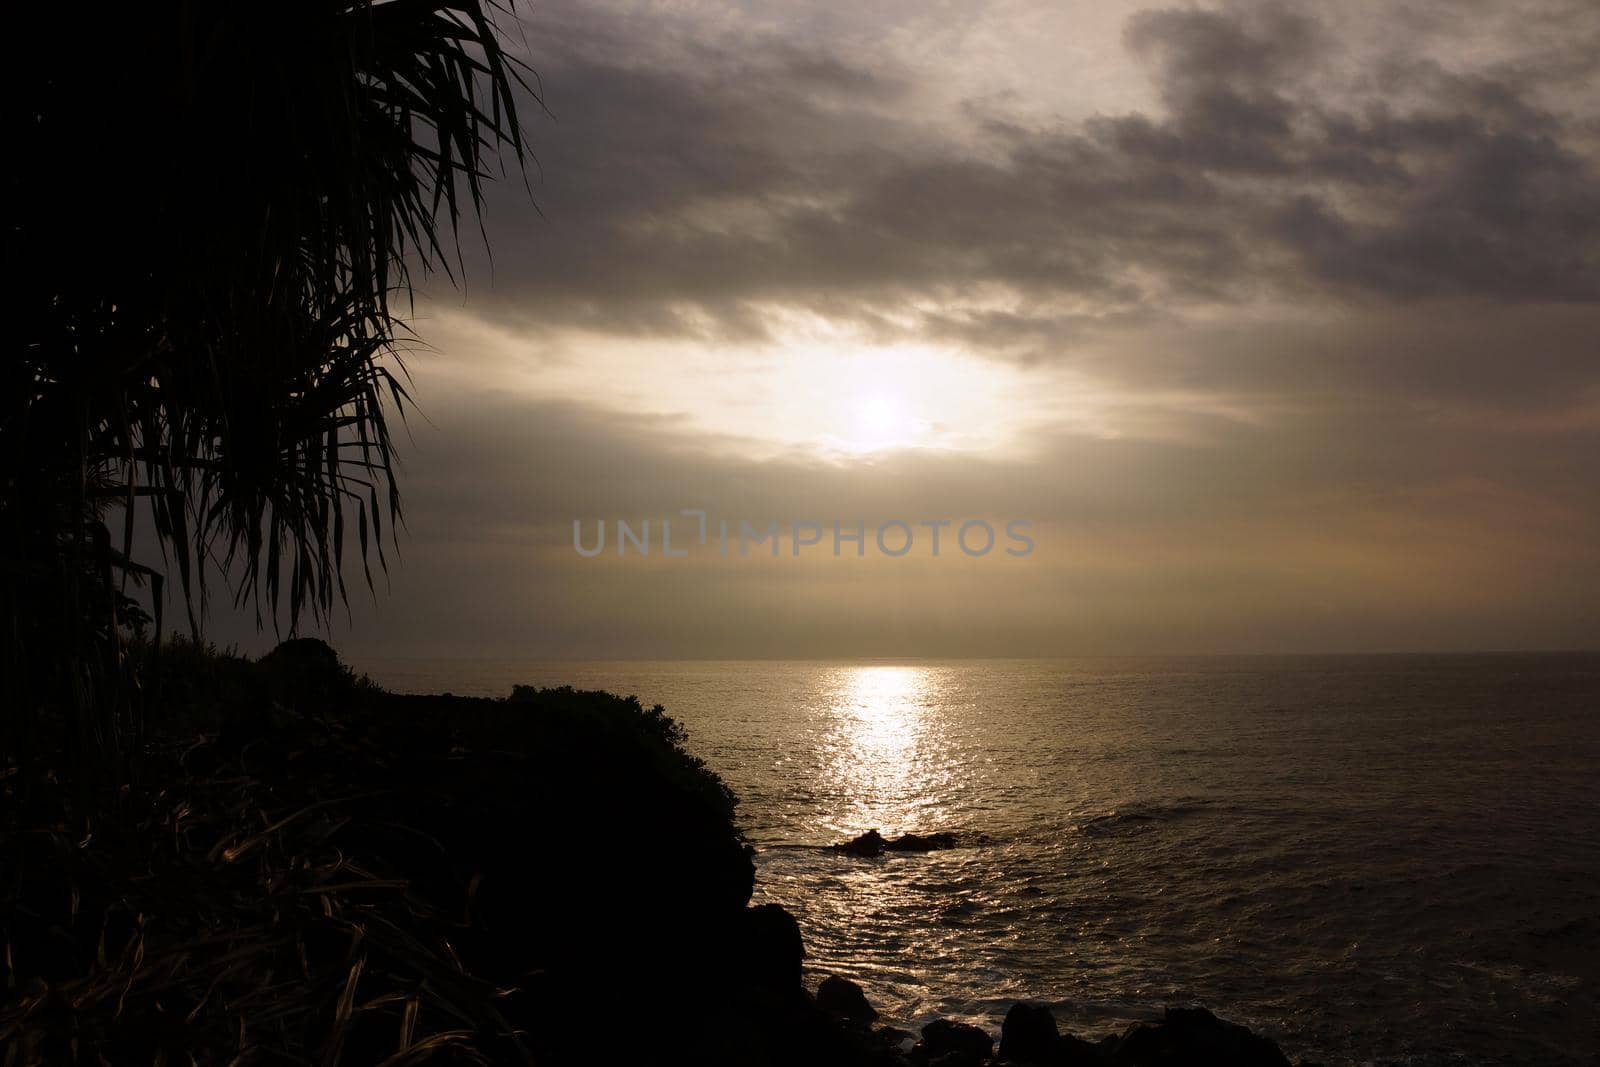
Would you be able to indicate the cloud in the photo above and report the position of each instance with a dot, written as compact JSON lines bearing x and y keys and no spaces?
{"x":1320,"y":531}
{"x":690,"y":186}
{"x":1312,"y":311}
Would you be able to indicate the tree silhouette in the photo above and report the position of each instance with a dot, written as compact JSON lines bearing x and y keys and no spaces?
{"x":217,"y":209}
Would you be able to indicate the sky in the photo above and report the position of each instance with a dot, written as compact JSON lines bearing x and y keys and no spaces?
{"x":1277,"y":323}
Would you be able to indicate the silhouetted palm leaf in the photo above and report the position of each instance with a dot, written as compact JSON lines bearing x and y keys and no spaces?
{"x":218,"y":204}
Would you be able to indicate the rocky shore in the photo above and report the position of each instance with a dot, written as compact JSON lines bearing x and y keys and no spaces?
{"x":1030,"y":1036}
{"x":308,"y":869}
{"x":838,"y":1022}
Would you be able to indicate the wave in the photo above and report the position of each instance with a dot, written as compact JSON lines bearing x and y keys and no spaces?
{"x":1136,"y":818}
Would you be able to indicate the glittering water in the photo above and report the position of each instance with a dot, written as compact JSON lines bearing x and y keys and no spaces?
{"x":1372,"y":859}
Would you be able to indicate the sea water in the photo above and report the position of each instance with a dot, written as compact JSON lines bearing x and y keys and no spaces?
{"x":1380,"y":859}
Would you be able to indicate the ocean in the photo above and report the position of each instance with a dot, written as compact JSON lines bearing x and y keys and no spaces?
{"x":1370,"y":859}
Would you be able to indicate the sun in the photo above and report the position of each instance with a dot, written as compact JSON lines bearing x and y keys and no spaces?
{"x":880,"y":420}
{"x":830,"y":395}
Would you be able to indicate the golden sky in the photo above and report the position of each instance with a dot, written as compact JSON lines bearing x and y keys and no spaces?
{"x":1278,"y":321}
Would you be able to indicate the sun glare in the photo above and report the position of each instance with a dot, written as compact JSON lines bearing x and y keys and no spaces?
{"x":881,"y":421}
{"x":826,"y":393}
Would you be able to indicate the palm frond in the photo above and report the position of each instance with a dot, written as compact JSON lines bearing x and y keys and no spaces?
{"x":219,"y":205}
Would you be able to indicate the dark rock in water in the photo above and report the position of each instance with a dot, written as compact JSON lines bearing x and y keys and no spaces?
{"x":944,"y":1036}
{"x":1029,"y":1034}
{"x":772,"y":948}
{"x":891,"y":1037}
{"x":1194,"y":1036}
{"x":843,"y":998}
{"x":920,"y":843}
{"x":873,"y":843}
{"x":870,"y":843}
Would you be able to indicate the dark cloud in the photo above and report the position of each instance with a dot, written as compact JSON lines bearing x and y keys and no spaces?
{"x":1215,"y":51}
{"x":1460,"y":359}
{"x":684,"y":191}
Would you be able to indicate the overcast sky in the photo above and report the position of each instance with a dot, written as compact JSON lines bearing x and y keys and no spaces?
{"x":1279,"y":322}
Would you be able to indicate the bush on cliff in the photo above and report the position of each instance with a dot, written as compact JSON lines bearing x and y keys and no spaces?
{"x":422,"y":877}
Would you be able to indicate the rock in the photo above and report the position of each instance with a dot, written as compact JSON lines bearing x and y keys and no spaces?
{"x":1187,"y":1036}
{"x":943,"y":1036}
{"x":873,"y":843}
{"x":868,"y":844}
{"x":772,"y":948}
{"x":1029,"y":1034}
{"x":1074,"y":1051}
{"x":919,"y":843}
{"x":843,"y":998}
{"x":893,"y":1038}
{"x":958,"y":1058}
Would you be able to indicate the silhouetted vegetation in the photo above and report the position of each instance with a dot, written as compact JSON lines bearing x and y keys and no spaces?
{"x":327,"y":872}
{"x":216,"y":209}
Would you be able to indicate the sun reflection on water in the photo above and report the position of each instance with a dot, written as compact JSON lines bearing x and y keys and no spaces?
{"x":883,"y":748}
